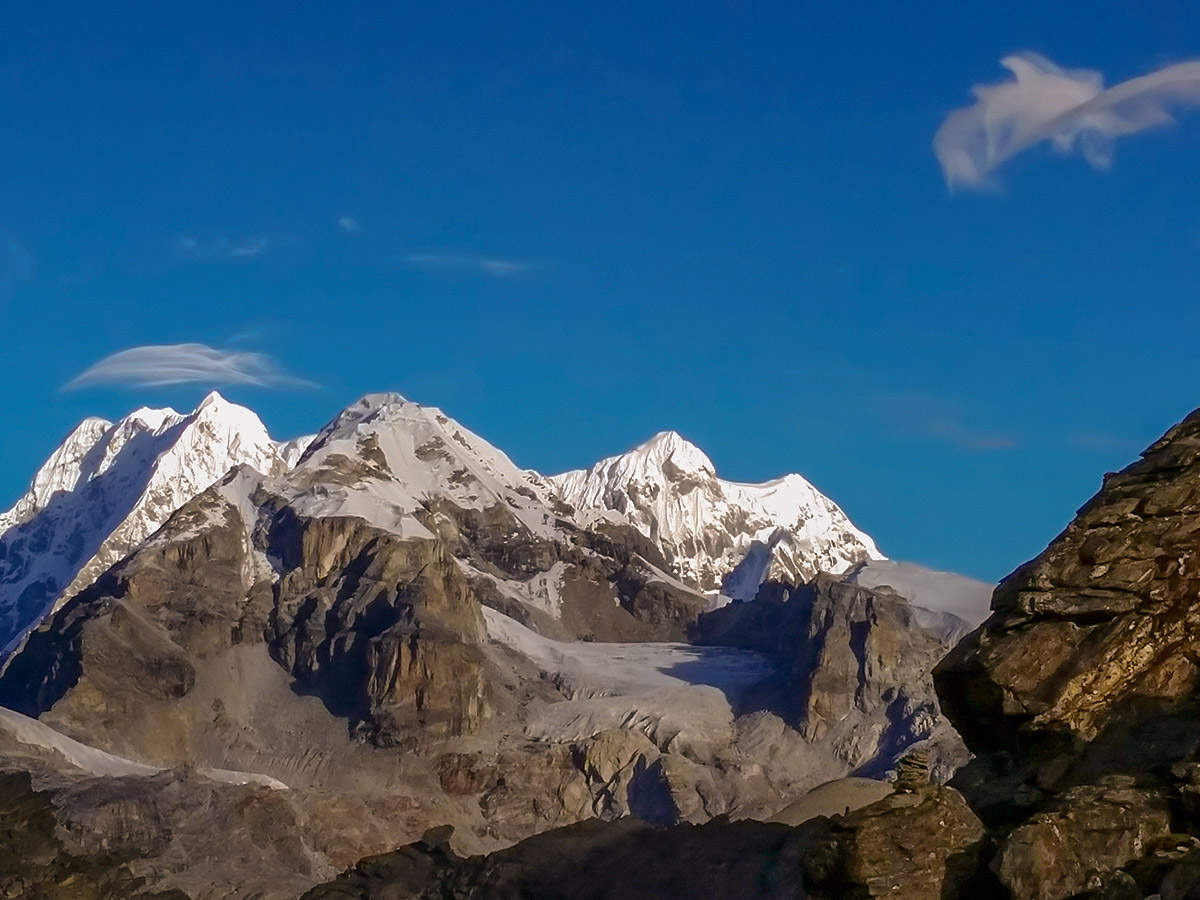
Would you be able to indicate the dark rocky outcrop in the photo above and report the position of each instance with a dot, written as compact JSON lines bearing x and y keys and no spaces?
{"x":1089,"y":831}
{"x":622,"y":860}
{"x":922,"y":845}
{"x":36,"y":864}
{"x":1079,"y":695}
{"x":917,"y":844}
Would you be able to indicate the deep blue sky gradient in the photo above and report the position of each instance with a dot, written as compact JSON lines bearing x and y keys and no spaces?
{"x":729,"y":218}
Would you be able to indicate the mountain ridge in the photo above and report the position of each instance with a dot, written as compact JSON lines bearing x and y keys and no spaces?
{"x":109,"y":485}
{"x":669,"y":490}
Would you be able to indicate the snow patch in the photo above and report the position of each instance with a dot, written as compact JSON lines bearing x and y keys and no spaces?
{"x":98,"y":762}
{"x":668,"y":691}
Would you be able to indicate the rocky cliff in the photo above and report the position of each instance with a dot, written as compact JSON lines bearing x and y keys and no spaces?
{"x":1079,"y":695}
{"x":854,"y":670}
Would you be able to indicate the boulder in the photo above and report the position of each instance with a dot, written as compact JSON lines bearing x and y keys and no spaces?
{"x":1090,"y":833}
{"x":923,"y":844}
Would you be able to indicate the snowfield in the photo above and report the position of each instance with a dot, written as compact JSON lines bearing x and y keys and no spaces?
{"x":674,"y":693}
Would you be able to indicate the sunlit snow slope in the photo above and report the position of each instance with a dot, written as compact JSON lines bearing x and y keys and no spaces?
{"x":109,"y":486}
{"x":669,"y":490}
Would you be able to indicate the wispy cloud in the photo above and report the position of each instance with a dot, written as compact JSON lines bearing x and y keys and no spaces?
{"x":497,"y":268}
{"x":156,"y":365}
{"x":1104,"y":442}
{"x":1070,"y":108}
{"x":223,"y":248}
{"x":942,"y":419}
{"x":16,"y":264}
{"x":349,"y":224}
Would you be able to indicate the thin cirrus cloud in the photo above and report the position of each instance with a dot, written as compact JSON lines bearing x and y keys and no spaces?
{"x":159,"y":365}
{"x":496,"y":268}
{"x":941,"y":419}
{"x":1069,"y":108}
{"x":16,"y":265}
{"x":1104,"y":442}
{"x":223,"y":248}
{"x":349,"y":224}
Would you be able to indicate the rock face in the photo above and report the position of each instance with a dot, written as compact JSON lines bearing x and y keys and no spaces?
{"x":1088,"y":830}
{"x":914,"y":845}
{"x":1088,"y":666}
{"x":669,"y":491}
{"x":383,"y":629}
{"x":855,"y":671}
{"x":1079,"y":695}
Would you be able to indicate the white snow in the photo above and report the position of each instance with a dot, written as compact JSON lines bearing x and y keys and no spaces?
{"x":111,"y":485}
{"x":542,"y":592}
{"x":98,"y":762}
{"x":669,"y":490}
{"x":669,"y":691}
{"x":743,"y":582}
{"x":929,"y":589}
{"x":405,"y":455}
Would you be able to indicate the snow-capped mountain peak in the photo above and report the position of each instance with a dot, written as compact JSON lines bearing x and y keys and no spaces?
{"x":61,"y":472}
{"x":668,"y":489}
{"x":385,"y":458}
{"x":107,"y":487}
{"x":672,"y":454}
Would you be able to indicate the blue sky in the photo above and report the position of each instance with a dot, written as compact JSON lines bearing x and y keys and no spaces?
{"x":571,"y":227}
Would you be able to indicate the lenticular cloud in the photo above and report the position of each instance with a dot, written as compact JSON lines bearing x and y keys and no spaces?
{"x":165,"y":364}
{"x":1070,"y":108}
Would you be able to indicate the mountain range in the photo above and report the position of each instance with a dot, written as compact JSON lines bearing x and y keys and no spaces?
{"x":110,"y":485}
{"x":333,"y":644}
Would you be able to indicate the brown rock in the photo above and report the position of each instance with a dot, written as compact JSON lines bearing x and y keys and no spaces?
{"x":908,"y":846}
{"x":857,"y":670}
{"x":1088,"y":664}
{"x":1091,"y":832}
{"x":912,"y":773}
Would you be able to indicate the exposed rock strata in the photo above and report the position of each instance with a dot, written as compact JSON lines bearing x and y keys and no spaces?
{"x":856,"y":666}
{"x":1079,"y":695}
{"x":1088,"y":666}
{"x":914,"y":845}
{"x":1089,"y":831}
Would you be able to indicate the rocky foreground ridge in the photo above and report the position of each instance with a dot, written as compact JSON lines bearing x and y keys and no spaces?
{"x":403,"y":631}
